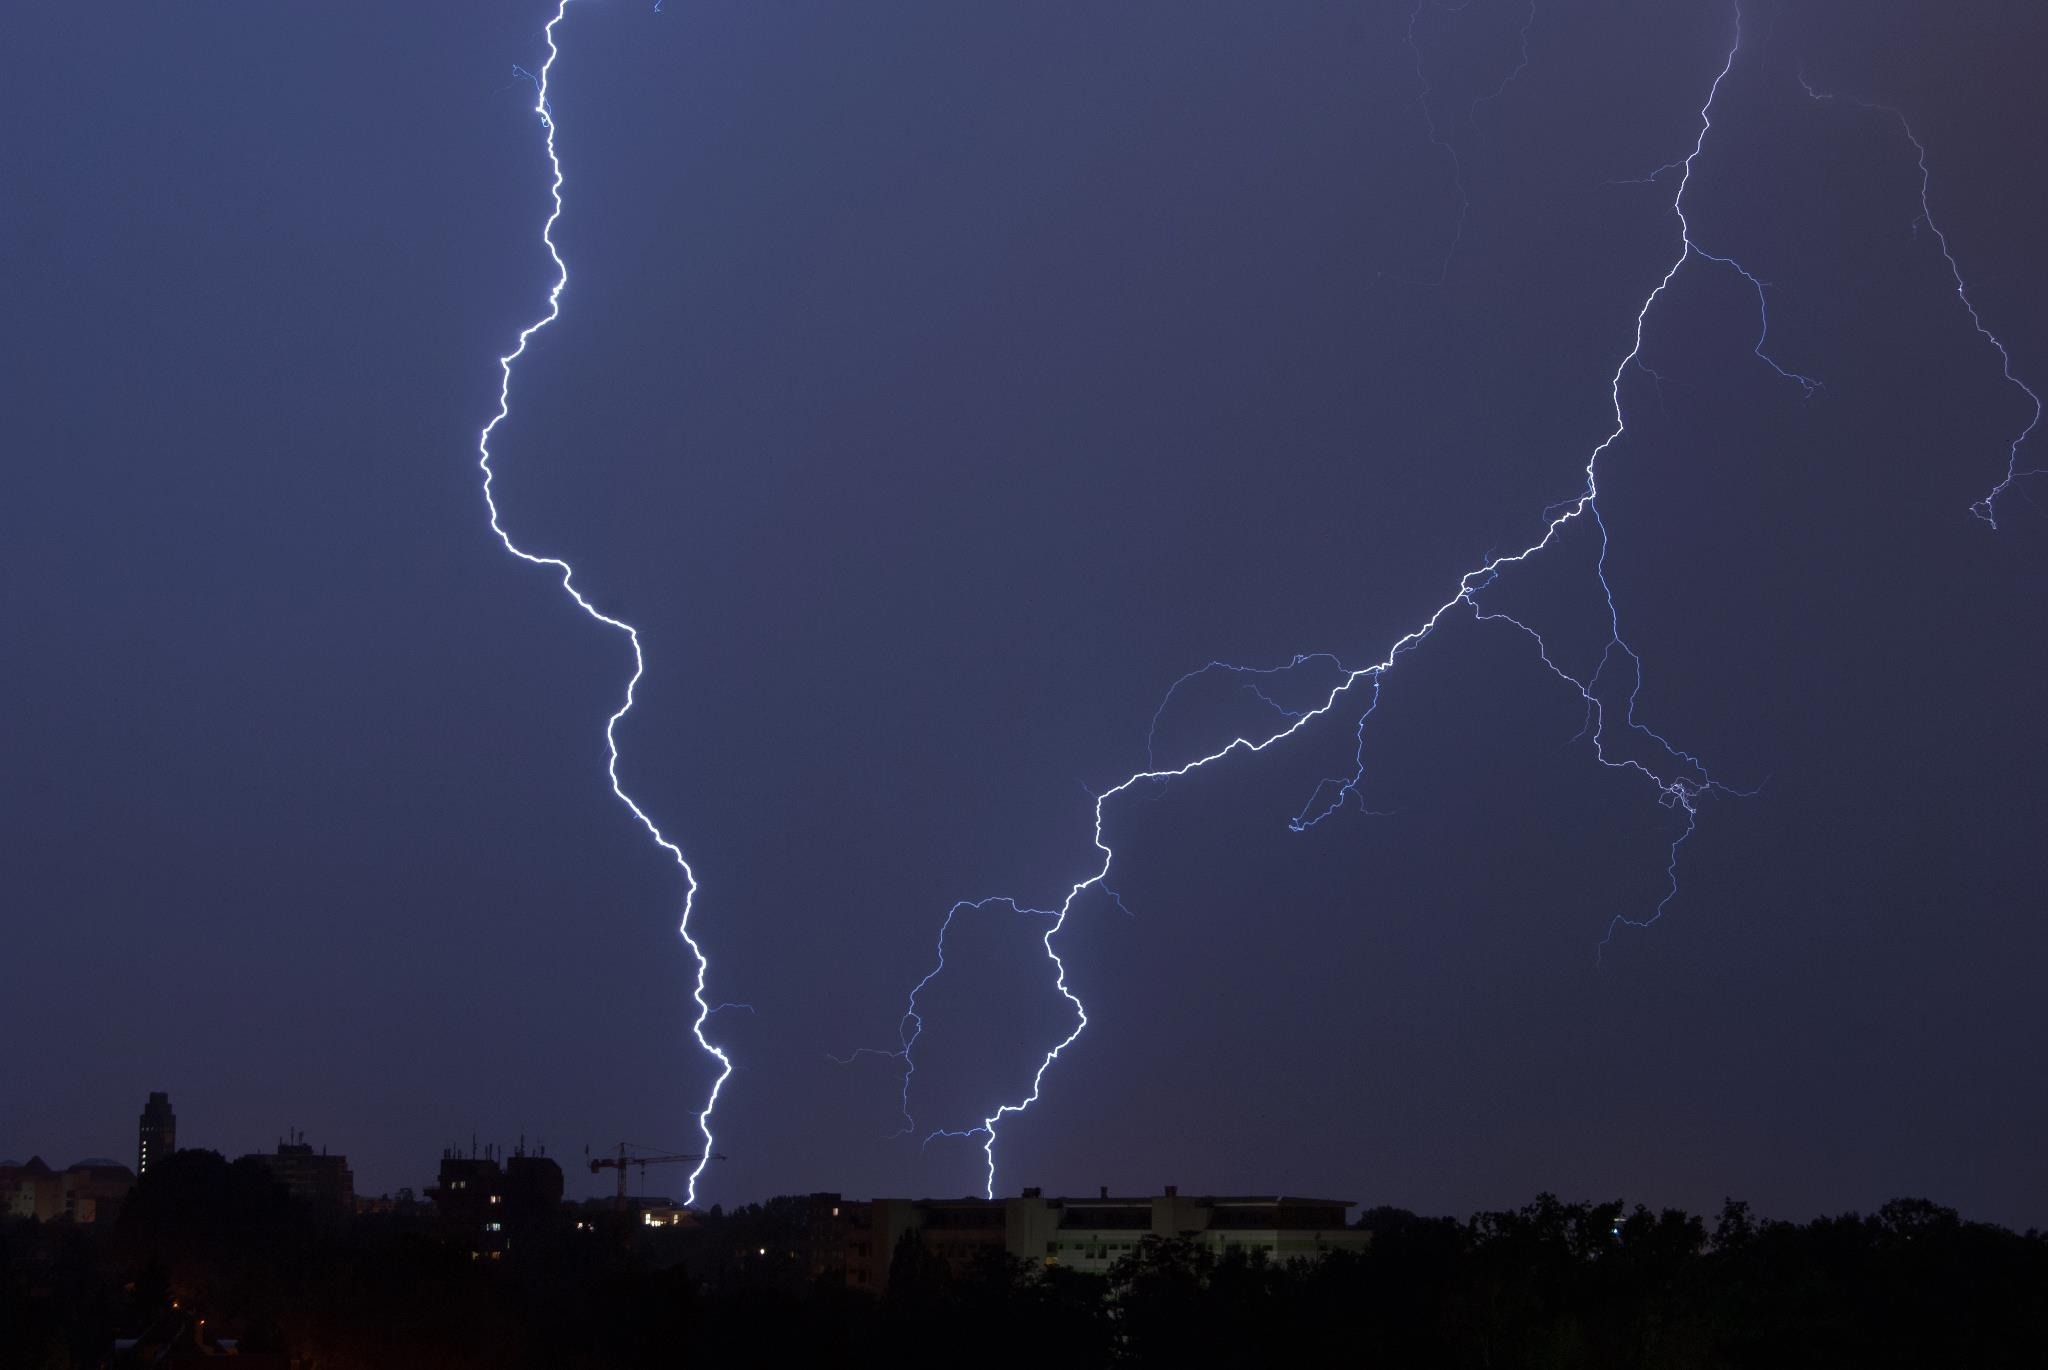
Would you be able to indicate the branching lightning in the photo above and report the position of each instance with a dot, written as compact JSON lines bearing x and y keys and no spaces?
{"x":1610,"y":693}
{"x":568,"y":575}
{"x":911,"y":1025}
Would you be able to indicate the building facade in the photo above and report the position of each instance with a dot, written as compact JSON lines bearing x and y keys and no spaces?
{"x":88,"y":1192}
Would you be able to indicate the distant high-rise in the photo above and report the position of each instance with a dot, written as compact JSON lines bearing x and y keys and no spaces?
{"x":158,"y":1131}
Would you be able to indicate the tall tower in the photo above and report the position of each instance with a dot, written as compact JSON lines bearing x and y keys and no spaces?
{"x":158,"y":1132}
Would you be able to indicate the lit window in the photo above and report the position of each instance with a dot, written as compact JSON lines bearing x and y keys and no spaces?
{"x":496,"y":1198}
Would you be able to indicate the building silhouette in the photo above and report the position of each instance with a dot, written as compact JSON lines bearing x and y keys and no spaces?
{"x":157,"y":1131}
{"x":316,"y":1177}
{"x":855,"y":1240}
{"x":485,"y":1203}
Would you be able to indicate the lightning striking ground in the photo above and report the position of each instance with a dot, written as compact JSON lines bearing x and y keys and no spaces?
{"x":704,"y":1007}
{"x":1677,"y":780}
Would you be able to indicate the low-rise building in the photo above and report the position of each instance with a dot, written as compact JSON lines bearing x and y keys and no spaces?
{"x":855,"y":1239}
{"x":30,"y":1189}
{"x":89,"y":1192}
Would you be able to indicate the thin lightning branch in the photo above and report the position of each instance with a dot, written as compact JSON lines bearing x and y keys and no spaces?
{"x":1763,"y":314}
{"x":911,"y":1025}
{"x":1275,"y":705}
{"x":1986,"y":508}
{"x":1347,"y":787}
{"x":1152,"y":734}
{"x":483,"y":445}
{"x":1648,"y":178}
{"x":1521,"y":65}
{"x":1437,"y":138}
{"x":1807,"y":384}
{"x":1678,"y":778}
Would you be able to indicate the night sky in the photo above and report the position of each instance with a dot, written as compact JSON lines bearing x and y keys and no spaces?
{"x":935,"y":384}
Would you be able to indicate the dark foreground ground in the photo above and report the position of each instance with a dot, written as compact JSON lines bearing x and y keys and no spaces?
{"x":1551,"y":1285}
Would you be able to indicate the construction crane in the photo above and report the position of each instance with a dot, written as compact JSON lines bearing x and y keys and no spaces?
{"x":622,"y":1160}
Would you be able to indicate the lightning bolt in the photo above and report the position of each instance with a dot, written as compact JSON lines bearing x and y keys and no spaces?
{"x":568,"y":575}
{"x":1987,"y":507}
{"x":1619,"y":740}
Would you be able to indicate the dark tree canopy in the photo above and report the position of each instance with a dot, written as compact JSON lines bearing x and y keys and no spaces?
{"x":1549,"y":1284}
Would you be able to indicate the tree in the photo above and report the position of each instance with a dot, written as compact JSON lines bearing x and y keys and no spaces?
{"x":918,"y":1276}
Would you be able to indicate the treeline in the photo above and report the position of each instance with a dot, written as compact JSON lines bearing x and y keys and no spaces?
{"x":1547,"y":1285}
{"x":1551,"y":1284}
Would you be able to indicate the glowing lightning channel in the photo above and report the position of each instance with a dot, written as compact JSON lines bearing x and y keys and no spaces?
{"x":1986,"y":508}
{"x":1677,"y":777}
{"x":483,"y":447}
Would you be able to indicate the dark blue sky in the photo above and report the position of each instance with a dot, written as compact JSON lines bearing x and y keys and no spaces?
{"x":935,"y":384}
